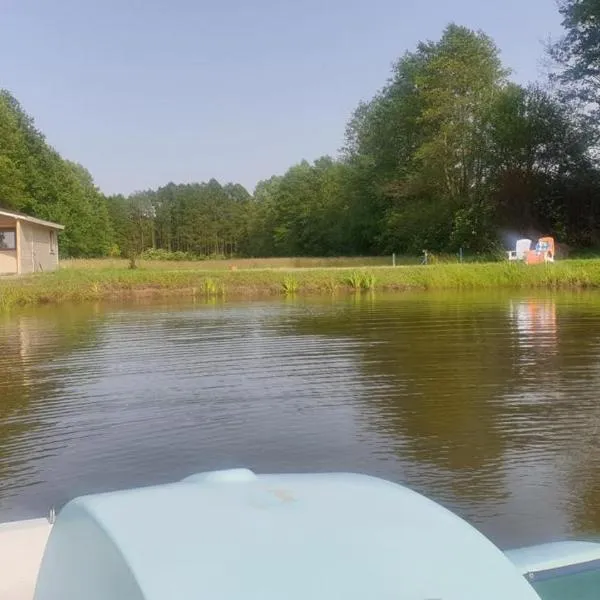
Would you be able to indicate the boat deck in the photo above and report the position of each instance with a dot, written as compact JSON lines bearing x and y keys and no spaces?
{"x":22,"y":545}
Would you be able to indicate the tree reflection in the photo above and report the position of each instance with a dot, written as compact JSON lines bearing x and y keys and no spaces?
{"x":31,"y":345}
{"x":477,"y":386}
{"x":447,"y":362}
{"x":470,"y":398}
{"x":472,"y":381}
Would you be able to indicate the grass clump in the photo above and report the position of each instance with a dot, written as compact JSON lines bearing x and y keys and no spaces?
{"x":354,"y":280}
{"x":361,"y":281}
{"x":331,"y":286}
{"x":210,"y":287}
{"x":289,"y":285}
{"x":368,"y":282}
{"x":161,"y":254}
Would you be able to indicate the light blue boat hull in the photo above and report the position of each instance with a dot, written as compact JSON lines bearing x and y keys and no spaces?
{"x":233,"y":535}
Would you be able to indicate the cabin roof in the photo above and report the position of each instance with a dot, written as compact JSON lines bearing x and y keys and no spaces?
{"x":23,"y":217}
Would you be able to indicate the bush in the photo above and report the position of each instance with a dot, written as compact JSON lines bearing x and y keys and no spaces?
{"x":161,"y":254}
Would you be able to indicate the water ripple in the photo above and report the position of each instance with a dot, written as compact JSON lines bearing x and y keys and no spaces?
{"x":489,"y":405}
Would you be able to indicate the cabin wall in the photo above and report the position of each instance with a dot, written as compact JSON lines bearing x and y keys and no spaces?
{"x":8,"y":262}
{"x":35,"y":249}
{"x":8,"y":258}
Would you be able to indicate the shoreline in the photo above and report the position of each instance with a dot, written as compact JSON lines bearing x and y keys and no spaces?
{"x":79,"y":284}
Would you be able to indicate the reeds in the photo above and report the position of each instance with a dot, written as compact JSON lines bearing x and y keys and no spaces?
{"x":358,"y":281}
{"x":289,"y":285}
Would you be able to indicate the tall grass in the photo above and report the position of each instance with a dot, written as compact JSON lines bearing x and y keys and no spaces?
{"x":368,"y":281}
{"x":361,"y":281}
{"x":210,"y":287}
{"x":79,"y":284}
{"x":354,"y":280}
{"x":331,"y":285}
{"x":289,"y":285}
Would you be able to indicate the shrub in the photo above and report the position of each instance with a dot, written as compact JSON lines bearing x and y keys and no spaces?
{"x":161,"y":254}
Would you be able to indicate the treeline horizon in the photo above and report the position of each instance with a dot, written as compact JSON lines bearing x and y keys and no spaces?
{"x":447,"y":155}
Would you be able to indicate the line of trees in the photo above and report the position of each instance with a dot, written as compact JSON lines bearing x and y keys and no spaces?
{"x":447,"y":155}
{"x":34,"y":179}
{"x":197,"y":219}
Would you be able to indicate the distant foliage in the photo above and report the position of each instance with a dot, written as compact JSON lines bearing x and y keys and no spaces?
{"x":34,"y":179}
{"x":162,"y":254}
{"x":577,"y":52}
{"x":182,"y":222}
{"x":448,"y":156}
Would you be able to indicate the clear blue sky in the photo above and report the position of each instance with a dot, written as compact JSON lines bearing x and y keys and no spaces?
{"x":143,"y":92}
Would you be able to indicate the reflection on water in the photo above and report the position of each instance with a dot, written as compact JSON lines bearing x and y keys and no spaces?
{"x":486,"y":403}
{"x":535,"y":319}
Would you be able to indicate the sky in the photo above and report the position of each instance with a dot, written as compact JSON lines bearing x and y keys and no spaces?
{"x":144,"y":92}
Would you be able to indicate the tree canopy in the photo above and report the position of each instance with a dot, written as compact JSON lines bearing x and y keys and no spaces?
{"x":577,"y":53}
{"x":36,"y":180}
{"x":448,"y":154}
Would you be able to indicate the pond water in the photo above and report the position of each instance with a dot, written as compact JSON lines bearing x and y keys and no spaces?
{"x":487,"y":403}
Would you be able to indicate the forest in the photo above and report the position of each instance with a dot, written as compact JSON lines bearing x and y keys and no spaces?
{"x":449,"y":154}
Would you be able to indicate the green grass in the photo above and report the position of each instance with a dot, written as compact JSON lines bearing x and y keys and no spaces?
{"x":353,"y":280}
{"x":289,"y":285}
{"x":280,"y":263}
{"x":368,"y":281}
{"x":80,"y":284}
{"x":212,"y":288}
{"x":361,"y":281}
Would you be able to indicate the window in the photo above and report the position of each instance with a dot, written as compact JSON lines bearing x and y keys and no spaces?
{"x":52,"y":242}
{"x":8,"y":239}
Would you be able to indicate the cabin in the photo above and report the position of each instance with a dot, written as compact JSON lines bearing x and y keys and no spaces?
{"x":27,"y":244}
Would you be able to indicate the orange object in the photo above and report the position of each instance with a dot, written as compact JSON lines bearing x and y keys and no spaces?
{"x":547,"y":245}
{"x":544,"y":252}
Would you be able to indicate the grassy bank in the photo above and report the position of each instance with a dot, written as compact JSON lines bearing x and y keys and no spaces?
{"x":79,"y":284}
{"x":279,"y":263}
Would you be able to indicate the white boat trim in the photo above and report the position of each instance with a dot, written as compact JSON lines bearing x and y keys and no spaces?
{"x":552,"y":556}
{"x":22,"y":545}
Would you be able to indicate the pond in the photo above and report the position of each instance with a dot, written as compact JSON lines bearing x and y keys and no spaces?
{"x":486,"y":402}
